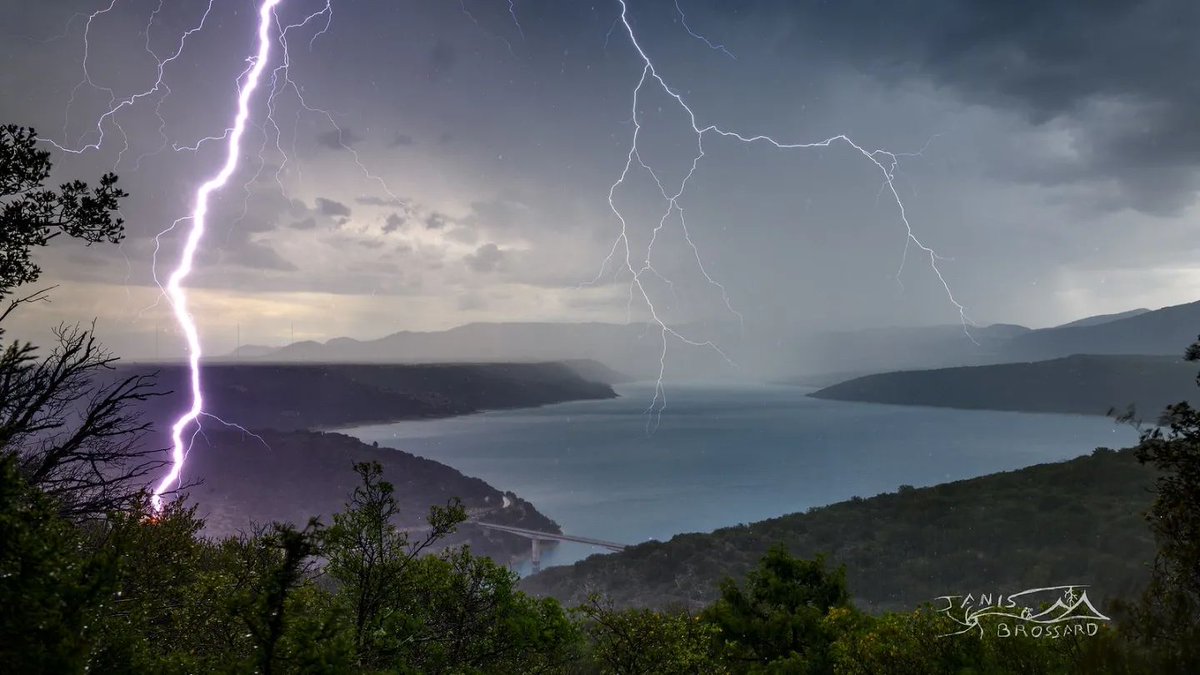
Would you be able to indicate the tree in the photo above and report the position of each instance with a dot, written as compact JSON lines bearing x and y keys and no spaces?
{"x":918,"y":642}
{"x":32,"y":216}
{"x":450,"y":613}
{"x":50,"y":585}
{"x":369,"y":557}
{"x":73,"y":427}
{"x":1166,"y":621}
{"x":777,"y":622}
{"x":289,"y":619}
{"x":646,"y":642}
{"x":463,"y":614}
{"x":181,"y":603}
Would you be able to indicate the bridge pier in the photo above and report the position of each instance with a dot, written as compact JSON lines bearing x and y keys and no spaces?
{"x":536,"y":538}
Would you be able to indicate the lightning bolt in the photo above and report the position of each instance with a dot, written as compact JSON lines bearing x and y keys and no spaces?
{"x":711,"y":45}
{"x":886,"y":162}
{"x":247,"y":82}
{"x":174,"y":287}
{"x":280,"y":81}
{"x":512,"y":11}
{"x":114,"y":105}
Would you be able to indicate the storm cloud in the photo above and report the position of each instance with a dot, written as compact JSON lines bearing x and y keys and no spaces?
{"x":1047,"y":151}
{"x":1116,"y":74}
{"x":330,"y":207}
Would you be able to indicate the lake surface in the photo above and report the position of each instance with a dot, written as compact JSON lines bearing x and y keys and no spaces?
{"x":722,"y":456}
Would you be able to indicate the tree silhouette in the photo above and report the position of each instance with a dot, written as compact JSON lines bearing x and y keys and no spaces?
{"x":1167,"y":618}
{"x":32,"y":215}
{"x":70,"y":424}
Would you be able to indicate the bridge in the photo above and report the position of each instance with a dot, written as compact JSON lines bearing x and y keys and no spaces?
{"x":536,"y":537}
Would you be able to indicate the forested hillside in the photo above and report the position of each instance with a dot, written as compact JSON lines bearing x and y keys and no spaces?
{"x":1078,"y":520}
{"x":323,"y":396}
{"x":1085,"y":384}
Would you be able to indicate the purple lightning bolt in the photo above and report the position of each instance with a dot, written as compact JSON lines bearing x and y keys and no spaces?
{"x":174,"y":288}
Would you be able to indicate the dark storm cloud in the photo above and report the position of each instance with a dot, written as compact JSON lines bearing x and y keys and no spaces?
{"x":486,"y":258}
{"x":241,"y":231}
{"x":521,"y":148}
{"x":408,"y":211}
{"x":393,"y":222}
{"x":498,"y":213}
{"x":338,"y":139}
{"x":436,"y":221}
{"x":1047,"y":60}
{"x":329,"y":207}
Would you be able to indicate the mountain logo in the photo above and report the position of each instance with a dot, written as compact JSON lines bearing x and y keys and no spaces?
{"x":1051,"y":612}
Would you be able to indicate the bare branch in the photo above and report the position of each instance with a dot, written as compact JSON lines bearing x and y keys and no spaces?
{"x":75,"y":428}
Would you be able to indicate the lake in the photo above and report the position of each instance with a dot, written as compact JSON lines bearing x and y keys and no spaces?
{"x":726,"y":455}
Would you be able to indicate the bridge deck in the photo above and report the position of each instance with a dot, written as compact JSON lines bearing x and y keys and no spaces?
{"x":550,"y":536}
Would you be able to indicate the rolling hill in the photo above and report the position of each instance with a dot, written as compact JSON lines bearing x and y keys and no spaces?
{"x":292,"y":476}
{"x":627,"y":350}
{"x":1085,"y":384}
{"x":1037,"y":526}
{"x":322,"y":396}
{"x":1103,"y":318}
{"x":1166,"y":331}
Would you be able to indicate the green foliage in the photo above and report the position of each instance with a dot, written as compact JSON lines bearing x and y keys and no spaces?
{"x":453,"y":613}
{"x":371,"y":560}
{"x":1166,"y":619}
{"x":778,"y":621}
{"x":1019,"y":529}
{"x":185,"y":604}
{"x":463,"y":614}
{"x":31,"y":216}
{"x":643,"y":641}
{"x":142,"y":593}
{"x":919,"y":642}
{"x":50,"y":587}
{"x":269,"y":608}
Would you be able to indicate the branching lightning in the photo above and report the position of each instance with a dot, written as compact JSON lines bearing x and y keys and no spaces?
{"x":174,"y":288}
{"x":711,"y":45}
{"x":886,"y":162}
{"x":271,"y":31}
{"x":467,"y":12}
{"x":512,"y":11}
{"x":247,"y":82}
{"x":115,"y":106}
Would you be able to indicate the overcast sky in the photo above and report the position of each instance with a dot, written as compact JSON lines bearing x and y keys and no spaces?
{"x":1047,"y":150}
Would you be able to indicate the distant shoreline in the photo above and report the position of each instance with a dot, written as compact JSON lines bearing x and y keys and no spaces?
{"x":433,"y":418}
{"x":1015,"y":411}
{"x":1093,"y":385}
{"x":324,"y":397}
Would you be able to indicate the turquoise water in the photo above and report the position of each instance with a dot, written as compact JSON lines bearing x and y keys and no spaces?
{"x":726,"y":455}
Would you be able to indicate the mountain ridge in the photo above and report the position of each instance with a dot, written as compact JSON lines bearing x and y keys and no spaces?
{"x":634,"y":349}
{"x":1089,"y":384}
